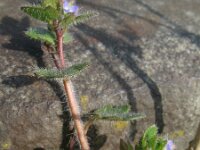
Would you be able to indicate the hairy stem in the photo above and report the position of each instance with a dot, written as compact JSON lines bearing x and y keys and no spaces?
{"x":73,"y":105}
{"x":59,"y":36}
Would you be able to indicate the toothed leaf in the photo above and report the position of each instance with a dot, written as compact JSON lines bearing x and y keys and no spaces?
{"x":41,"y":35}
{"x":113,"y":109}
{"x":117,"y":113}
{"x":84,"y":17}
{"x":46,"y":14}
{"x":150,"y":140}
{"x":150,"y":136}
{"x":120,"y":117}
{"x":62,"y":73}
{"x":71,"y":19}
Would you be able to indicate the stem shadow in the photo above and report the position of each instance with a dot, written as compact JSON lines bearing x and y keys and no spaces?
{"x":19,"y":42}
{"x":124,"y":53}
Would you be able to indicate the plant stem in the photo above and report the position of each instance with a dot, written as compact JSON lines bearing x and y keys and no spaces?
{"x":73,"y":105}
{"x":76,"y":115}
{"x":59,"y":36}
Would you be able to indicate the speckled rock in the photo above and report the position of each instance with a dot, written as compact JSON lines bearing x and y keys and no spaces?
{"x":29,"y":110}
{"x":163,"y":82}
{"x":145,"y":53}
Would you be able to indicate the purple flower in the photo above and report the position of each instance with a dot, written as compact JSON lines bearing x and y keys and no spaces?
{"x":170,"y":145}
{"x":70,"y":7}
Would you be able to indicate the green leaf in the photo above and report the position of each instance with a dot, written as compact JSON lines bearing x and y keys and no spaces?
{"x":120,"y":117}
{"x":67,"y":38}
{"x":125,"y":146}
{"x":161,"y":143}
{"x":41,"y":34}
{"x":117,"y":113}
{"x":150,"y":136}
{"x":53,"y":3}
{"x":70,"y":19}
{"x":150,"y":140}
{"x":83,"y":17}
{"x":46,"y":14}
{"x":63,"y":73}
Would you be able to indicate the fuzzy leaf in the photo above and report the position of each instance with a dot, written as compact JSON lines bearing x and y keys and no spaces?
{"x":113,"y":109}
{"x":150,"y":136}
{"x":64,"y":73}
{"x":125,"y":146}
{"x":53,"y":3}
{"x":120,"y":117}
{"x":67,"y":38}
{"x":150,"y":140}
{"x":70,"y":19}
{"x":117,"y":113}
{"x":46,"y":14}
{"x":41,"y":35}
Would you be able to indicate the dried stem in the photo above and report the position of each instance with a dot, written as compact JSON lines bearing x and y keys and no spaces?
{"x":73,"y":105}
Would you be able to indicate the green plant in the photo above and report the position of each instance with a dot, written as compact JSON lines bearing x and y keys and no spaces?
{"x":60,"y":15}
{"x":149,"y":141}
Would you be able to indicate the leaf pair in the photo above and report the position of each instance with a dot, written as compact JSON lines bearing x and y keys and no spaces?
{"x":48,"y":12}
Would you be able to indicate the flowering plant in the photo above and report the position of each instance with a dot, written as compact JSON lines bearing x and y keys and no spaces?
{"x":70,"y":7}
{"x":149,"y":141}
{"x":60,"y":15}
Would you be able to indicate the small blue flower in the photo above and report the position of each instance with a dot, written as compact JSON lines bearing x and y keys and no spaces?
{"x":170,"y":145}
{"x":70,"y":7}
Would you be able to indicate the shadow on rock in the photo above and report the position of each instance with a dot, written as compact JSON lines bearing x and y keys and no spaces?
{"x":96,"y":141}
{"x":124,"y":51}
{"x":19,"y":81}
{"x":38,"y":148}
{"x":182,"y":32}
{"x":195,"y":144}
{"x":115,"y":75}
{"x":176,"y":28}
{"x":19,"y":42}
{"x":66,"y":128}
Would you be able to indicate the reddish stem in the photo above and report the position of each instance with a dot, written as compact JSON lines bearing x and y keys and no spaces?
{"x":73,"y":105}
{"x":59,"y":35}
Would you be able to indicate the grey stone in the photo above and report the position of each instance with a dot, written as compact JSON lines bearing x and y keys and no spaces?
{"x":145,"y":53}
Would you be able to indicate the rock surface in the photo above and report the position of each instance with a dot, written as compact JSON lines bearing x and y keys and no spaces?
{"x":29,"y":117}
{"x":145,"y":53}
